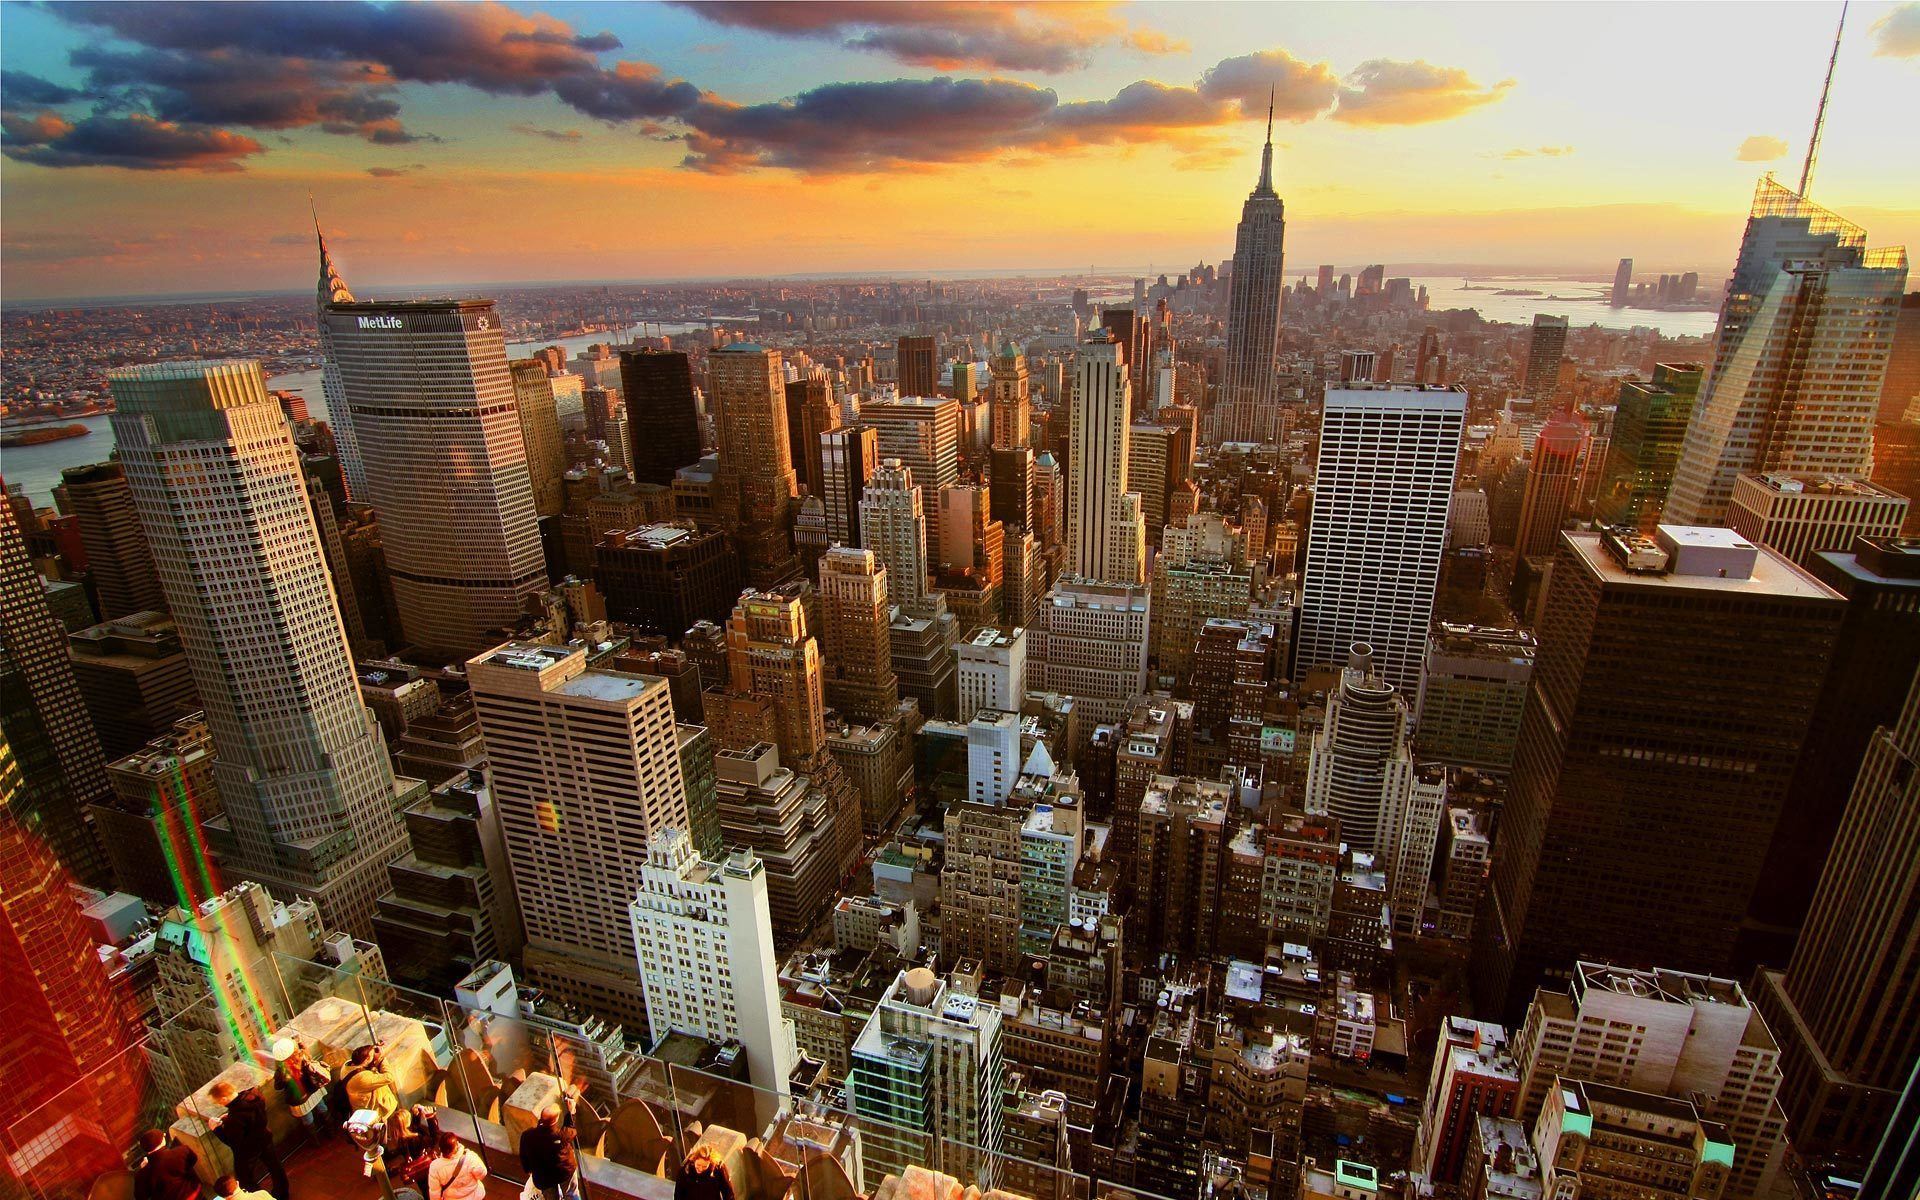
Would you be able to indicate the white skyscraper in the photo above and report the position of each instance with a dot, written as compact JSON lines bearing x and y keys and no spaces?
{"x":1379,"y":527}
{"x":302,"y":768}
{"x":993,"y":755}
{"x":586,"y":769}
{"x":431,"y":401}
{"x":1805,"y":334}
{"x":703,"y":931}
{"x":1105,"y":537}
{"x":993,"y":670}
{"x":893,"y":524}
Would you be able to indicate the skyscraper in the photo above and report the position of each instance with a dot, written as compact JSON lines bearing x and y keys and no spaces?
{"x":849,"y":456}
{"x":1090,"y":642}
{"x":302,"y":770}
{"x":540,"y":433}
{"x":1847,"y":1010}
{"x":1379,"y":527}
{"x":73,"y":1090}
{"x":1805,"y":334}
{"x":1671,"y":694}
{"x":665,"y":422}
{"x":855,"y":614}
{"x":1901,"y":386}
{"x":704,"y":934}
{"x":586,"y":770}
{"x":332,"y":291}
{"x":57,"y":751}
{"x":1797,"y":516}
{"x":1104,"y":545}
{"x":432,"y":404}
{"x":118,"y":560}
{"x":1251,"y":412}
{"x":893,"y":524}
{"x":924,"y":433}
{"x":1552,"y":473}
{"x":1649,"y":425}
{"x":811,"y":411}
{"x":1544,"y":352}
{"x":1361,"y":771}
{"x":926,"y":1069}
{"x":755,"y":485}
{"x":1012,"y":407}
{"x":919,"y":363}
{"x":1622,"y":283}
{"x":1669,"y":1033}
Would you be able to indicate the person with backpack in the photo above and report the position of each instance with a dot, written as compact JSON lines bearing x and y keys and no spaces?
{"x":457,"y":1173}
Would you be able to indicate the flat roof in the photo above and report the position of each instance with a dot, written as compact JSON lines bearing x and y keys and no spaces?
{"x":1772,"y":575}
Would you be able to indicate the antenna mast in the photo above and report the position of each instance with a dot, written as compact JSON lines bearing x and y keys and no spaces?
{"x":1820,"y":117}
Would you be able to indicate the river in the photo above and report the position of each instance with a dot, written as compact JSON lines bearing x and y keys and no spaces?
{"x":36,"y":469}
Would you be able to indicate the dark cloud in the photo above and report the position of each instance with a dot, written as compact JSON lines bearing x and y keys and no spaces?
{"x":1383,"y":91}
{"x":1138,"y":112}
{"x":852,"y":127}
{"x":21,"y":89}
{"x":136,"y":142}
{"x":1300,"y":91}
{"x":630,"y":91}
{"x":395,"y":172}
{"x":484,"y":45}
{"x":949,"y":35}
{"x":552,"y":135}
{"x":229,"y":87}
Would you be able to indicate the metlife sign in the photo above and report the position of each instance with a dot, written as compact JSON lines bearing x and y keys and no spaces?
{"x":383,"y":321}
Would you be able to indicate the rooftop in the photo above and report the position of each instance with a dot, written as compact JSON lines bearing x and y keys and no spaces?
{"x":1820,"y":485}
{"x":1771,"y":574}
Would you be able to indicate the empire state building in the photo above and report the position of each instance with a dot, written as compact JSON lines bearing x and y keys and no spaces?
{"x":1249,"y":412}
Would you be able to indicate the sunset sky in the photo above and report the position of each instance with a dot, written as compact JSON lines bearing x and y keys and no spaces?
{"x":169,"y":148}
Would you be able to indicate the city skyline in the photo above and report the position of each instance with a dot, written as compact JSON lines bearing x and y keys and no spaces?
{"x":1422,"y":138}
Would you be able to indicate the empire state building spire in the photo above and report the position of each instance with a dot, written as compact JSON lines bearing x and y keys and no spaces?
{"x":1265,"y":186}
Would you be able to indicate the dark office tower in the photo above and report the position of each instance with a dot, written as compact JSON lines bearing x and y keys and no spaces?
{"x":1426,"y":357}
{"x":303,"y":771}
{"x":163,"y":795}
{"x":754,"y":485}
{"x":1010,"y":486}
{"x":1246,"y":398}
{"x":62,"y":766}
{"x":134,"y":677}
{"x":73,"y":1090}
{"x":857,"y":642}
{"x":1128,"y":328}
{"x":1847,"y":1010}
{"x":1901,"y":386}
{"x":433,"y":409}
{"x":662,"y":418}
{"x":118,"y":561}
{"x":849,"y":456}
{"x":1866,"y":685}
{"x":1552,"y":474}
{"x":665,"y":577}
{"x":811,"y":411}
{"x":1799,"y":357}
{"x":540,"y":431}
{"x":1544,"y":352}
{"x":1622,"y":283}
{"x":1670,"y":698}
{"x":919,"y":366}
{"x":1012,"y":400}
{"x":1649,"y":425}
